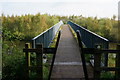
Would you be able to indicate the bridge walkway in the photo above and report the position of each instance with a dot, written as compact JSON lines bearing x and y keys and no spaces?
{"x":68,"y":64}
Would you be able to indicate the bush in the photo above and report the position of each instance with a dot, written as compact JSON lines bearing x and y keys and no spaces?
{"x":107,"y":75}
{"x":13,"y":63}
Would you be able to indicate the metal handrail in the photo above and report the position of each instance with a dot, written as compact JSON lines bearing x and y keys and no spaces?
{"x":90,"y":39}
{"x":85,"y":33}
{"x":47,"y":36}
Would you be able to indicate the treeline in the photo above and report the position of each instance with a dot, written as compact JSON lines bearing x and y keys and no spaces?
{"x":106,"y":27}
{"x":26,"y":27}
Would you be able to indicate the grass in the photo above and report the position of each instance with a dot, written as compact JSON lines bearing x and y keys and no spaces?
{"x":73,"y":32}
{"x":107,"y":75}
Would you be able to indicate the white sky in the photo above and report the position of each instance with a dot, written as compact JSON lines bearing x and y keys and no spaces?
{"x":100,"y":8}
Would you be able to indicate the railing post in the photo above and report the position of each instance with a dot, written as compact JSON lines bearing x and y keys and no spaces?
{"x":82,"y":54}
{"x":106,"y":54}
{"x":27,"y":58}
{"x":97,"y":64}
{"x":53,"y":59}
{"x":117,"y":72}
{"x":39,"y":61}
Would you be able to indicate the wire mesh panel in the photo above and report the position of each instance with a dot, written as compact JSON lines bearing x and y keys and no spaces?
{"x":47,"y":36}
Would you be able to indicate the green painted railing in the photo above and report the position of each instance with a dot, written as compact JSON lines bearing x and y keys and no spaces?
{"x":47,"y":36}
{"x":90,"y":39}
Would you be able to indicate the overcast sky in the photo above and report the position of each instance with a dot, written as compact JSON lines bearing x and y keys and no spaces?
{"x":100,"y":8}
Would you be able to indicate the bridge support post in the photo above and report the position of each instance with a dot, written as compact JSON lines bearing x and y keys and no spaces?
{"x":97,"y":64}
{"x":117,"y":72}
{"x":39,"y":61}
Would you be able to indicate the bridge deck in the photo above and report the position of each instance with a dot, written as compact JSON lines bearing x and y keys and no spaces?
{"x":68,"y":63}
